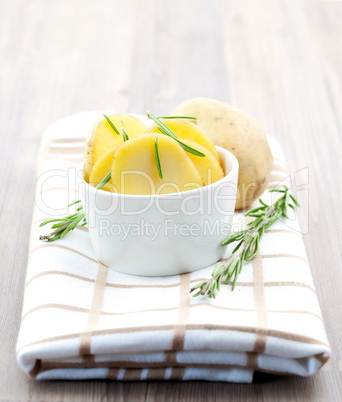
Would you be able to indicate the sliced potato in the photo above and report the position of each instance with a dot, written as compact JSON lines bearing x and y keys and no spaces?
{"x":102,"y":166}
{"x":186,"y":130}
{"x":207,"y":166}
{"x":134,"y":168}
{"x":102,"y":137}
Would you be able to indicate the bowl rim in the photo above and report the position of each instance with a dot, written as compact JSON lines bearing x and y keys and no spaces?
{"x":228,"y":177}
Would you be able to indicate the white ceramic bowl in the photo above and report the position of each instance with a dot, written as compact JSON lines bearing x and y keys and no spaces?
{"x":158,"y":235}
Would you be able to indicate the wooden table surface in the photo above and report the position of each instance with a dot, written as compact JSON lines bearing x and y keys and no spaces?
{"x":279,"y":61}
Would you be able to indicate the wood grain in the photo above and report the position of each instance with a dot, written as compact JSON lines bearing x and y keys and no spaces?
{"x":279,"y":61}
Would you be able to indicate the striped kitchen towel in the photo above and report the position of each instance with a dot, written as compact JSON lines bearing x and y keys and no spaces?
{"x":81,"y":320}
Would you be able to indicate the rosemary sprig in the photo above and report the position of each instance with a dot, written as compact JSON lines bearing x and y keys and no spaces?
{"x":248,"y":242}
{"x":64,"y":225}
{"x":67,"y":223}
{"x":156,"y":152}
{"x":164,"y":129}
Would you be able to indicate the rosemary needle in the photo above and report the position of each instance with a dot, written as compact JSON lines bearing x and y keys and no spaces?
{"x":104,"y":181}
{"x":124,"y":132}
{"x":156,"y":151}
{"x":111,"y":124}
{"x":177,"y":117}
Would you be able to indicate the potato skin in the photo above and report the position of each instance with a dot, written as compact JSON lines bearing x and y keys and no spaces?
{"x":239,"y":133}
{"x":88,"y":150}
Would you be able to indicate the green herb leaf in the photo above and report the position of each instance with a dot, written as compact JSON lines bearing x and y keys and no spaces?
{"x":177,"y":117}
{"x":73,"y":203}
{"x":164,"y":129}
{"x":156,"y":152}
{"x":104,"y":181}
{"x":111,"y":124}
{"x":124,"y":134}
{"x":191,"y":150}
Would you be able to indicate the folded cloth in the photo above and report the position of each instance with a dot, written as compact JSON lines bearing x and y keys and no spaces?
{"x":82,"y":320}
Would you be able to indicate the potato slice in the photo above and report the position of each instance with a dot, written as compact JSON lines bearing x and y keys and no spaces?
{"x":186,"y":130}
{"x":102,"y":166}
{"x":207,"y":166}
{"x":102,"y":137}
{"x":134,"y":168}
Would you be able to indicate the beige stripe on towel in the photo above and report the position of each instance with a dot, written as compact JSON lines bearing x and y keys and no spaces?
{"x":132,"y":375}
{"x":73,"y":150}
{"x":156,"y":373}
{"x":72,"y":250}
{"x":67,"y":140}
{"x":260,"y":304}
{"x":182,"y":319}
{"x":113,"y":373}
{"x":36,"y":369}
{"x":95,"y":310}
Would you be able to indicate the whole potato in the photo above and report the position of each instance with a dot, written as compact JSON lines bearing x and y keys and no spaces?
{"x":237,"y":132}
